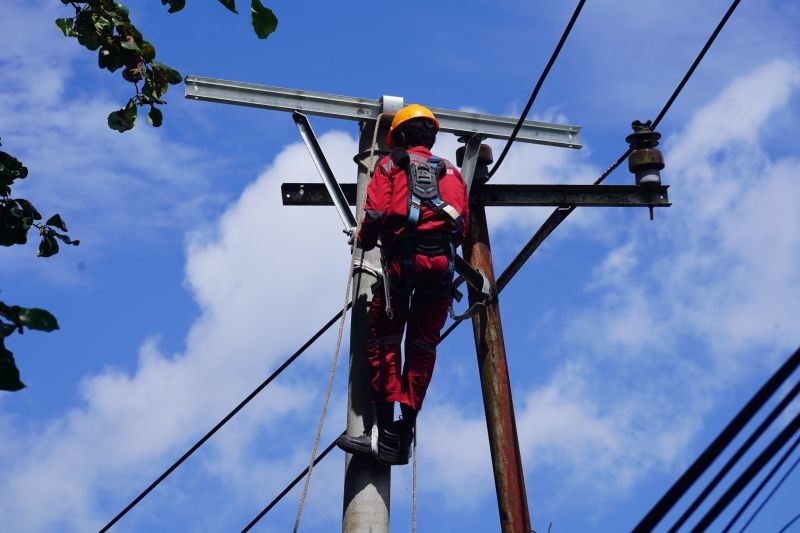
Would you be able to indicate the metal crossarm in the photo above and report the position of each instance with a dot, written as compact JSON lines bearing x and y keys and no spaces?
{"x":352,"y":108}
{"x":511,"y":195}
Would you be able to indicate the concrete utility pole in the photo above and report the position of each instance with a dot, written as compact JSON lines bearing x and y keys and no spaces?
{"x":367,"y":483}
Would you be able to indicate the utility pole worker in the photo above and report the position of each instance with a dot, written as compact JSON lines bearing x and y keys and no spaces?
{"x":417,"y":205}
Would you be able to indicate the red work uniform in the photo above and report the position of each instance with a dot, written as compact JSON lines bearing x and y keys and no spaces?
{"x":420,"y":304}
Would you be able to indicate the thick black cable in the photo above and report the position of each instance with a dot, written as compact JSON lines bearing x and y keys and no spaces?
{"x":771,"y":493}
{"x":538,"y":86}
{"x":761,"y":486}
{"x":678,"y":89}
{"x":288,"y":488}
{"x":762,"y":427}
{"x":747,"y":476}
{"x":697,"y":61}
{"x":710,"y":454}
{"x":227,"y":417}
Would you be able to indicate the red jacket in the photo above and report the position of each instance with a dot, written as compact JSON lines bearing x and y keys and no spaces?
{"x":386,"y":207}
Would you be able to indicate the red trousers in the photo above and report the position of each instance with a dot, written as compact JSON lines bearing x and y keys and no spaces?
{"x":422,"y":314}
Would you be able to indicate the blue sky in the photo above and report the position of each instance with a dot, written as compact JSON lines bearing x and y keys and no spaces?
{"x":631,"y":343}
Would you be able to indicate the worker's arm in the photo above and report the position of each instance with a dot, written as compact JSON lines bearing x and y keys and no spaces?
{"x":379,"y":194}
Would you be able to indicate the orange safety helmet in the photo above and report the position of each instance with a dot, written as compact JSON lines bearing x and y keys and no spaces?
{"x":410,"y":112}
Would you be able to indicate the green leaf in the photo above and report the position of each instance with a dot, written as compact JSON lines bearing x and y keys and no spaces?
{"x":155,"y":117}
{"x":56,"y":222}
{"x":48,"y":246}
{"x":65,"y":25}
{"x":121,"y":10}
{"x":38,"y":319}
{"x":171,"y":75}
{"x":174,"y":5}
{"x":29,"y":209}
{"x":130,"y":45}
{"x":148,"y":51}
{"x":6,"y":329}
{"x":111,"y":57}
{"x":264,"y":20}
{"x":65,"y":239}
{"x":230,"y":4}
{"x":9,"y":373}
{"x":11,"y":169}
{"x":123,"y":119}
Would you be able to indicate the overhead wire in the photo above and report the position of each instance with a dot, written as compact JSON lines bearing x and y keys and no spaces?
{"x":789,"y":524}
{"x":288,"y":488}
{"x":750,"y":472}
{"x":771,"y":494}
{"x":718,"y":445}
{"x":762,"y":427}
{"x":538,"y":86}
{"x":761,"y":486}
{"x":226,"y":418}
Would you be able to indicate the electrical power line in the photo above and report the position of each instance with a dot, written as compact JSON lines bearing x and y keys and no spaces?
{"x":710,"y":454}
{"x":538,"y":86}
{"x":761,"y":486}
{"x":789,"y":524}
{"x":289,"y":487}
{"x":225,"y":419}
{"x":679,"y":88}
{"x":773,"y":415}
{"x":771,"y":493}
{"x":747,"y":476}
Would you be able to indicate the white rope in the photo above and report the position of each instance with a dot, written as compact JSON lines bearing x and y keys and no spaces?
{"x":335,"y":360}
{"x":414,"y":483}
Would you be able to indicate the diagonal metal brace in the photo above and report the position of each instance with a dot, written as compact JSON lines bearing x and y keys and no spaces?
{"x":324,"y":169}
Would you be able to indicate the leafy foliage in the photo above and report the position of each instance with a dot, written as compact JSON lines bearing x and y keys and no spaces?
{"x":105,"y":26}
{"x":17,"y":217}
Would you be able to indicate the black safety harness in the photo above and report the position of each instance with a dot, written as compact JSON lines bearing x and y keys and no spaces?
{"x":423,"y":174}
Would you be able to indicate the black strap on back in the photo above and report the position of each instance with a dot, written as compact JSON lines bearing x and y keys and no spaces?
{"x":423,"y":190}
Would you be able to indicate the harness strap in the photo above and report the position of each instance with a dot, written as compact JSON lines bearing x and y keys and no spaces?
{"x":429,"y":187}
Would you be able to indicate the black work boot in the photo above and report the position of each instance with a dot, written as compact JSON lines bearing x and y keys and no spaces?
{"x":394,"y":443}
{"x":365,"y":443}
{"x":368,"y":442}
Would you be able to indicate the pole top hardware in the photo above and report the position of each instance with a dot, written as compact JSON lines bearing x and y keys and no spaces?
{"x":390,"y":105}
{"x":645,"y":160}
{"x":361,"y":109}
